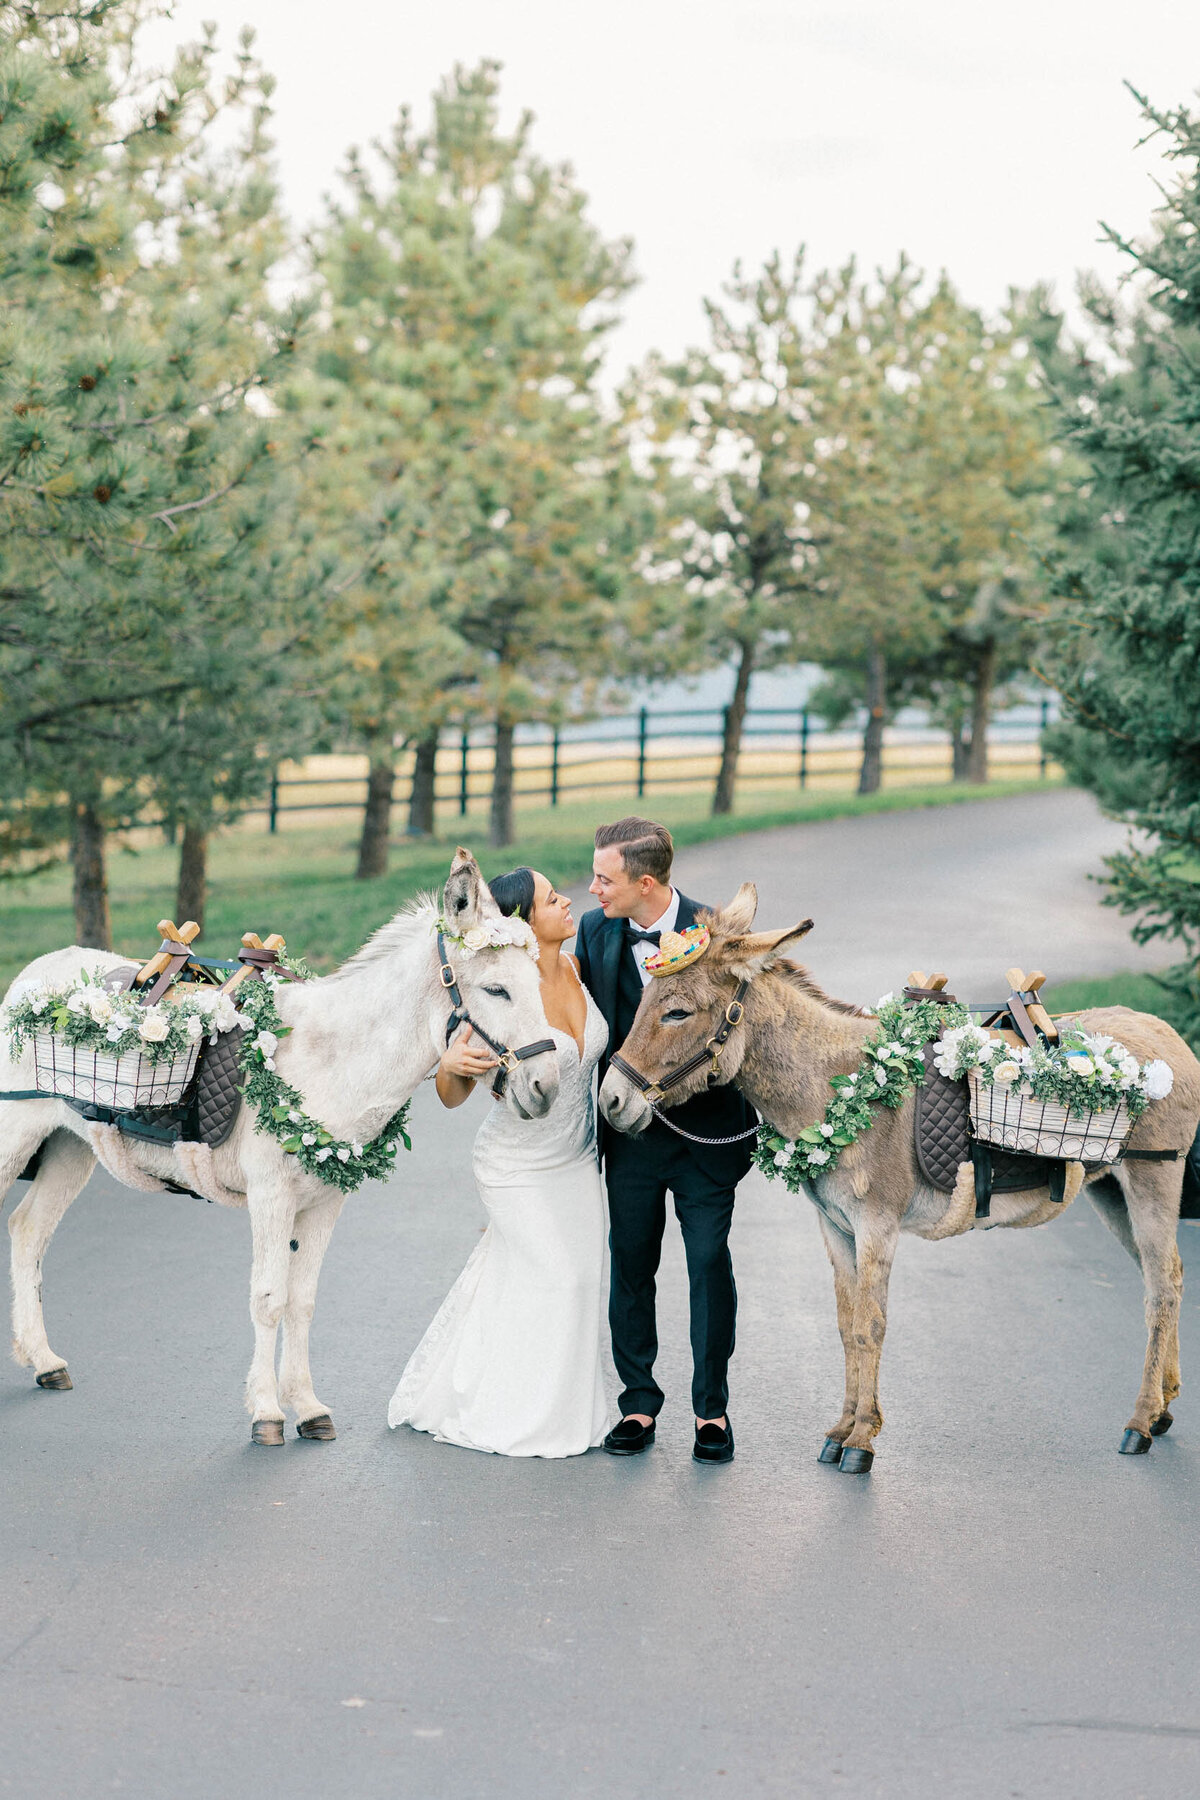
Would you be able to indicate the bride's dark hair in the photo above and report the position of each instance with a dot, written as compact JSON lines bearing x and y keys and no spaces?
{"x":513,"y":893}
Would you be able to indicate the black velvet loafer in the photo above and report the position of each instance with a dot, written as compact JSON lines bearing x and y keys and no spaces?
{"x":714,"y":1443}
{"x":629,"y":1438}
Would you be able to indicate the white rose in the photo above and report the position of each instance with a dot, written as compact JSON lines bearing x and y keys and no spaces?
{"x":1005,"y":1073}
{"x":154,"y":1026}
{"x":195,"y":1027}
{"x":357,"y":1148}
{"x":884,"y":1000}
{"x":295,"y":1117}
{"x":881,"y":1079}
{"x":782,"y":1158}
{"x":827,"y":1131}
{"x":325,"y":1154}
{"x":309,"y":1138}
{"x":39,"y":1004}
{"x":267,"y":1042}
{"x":99,"y":1007}
{"x":225,"y":1013}
{"x":78,"y":1001}
{"x":1099,"y":1042}
{"x":1157,"y":1079}
{"x":116,"y":1031}
{"x":818,"y":1157}
{"x":343,"y":1155}
{"x":476,"y":938}
{"x":1079,"y":1064}
{"x":987,"y":1049}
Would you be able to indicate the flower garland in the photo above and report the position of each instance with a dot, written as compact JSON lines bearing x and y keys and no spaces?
{"x":892,"y":1065}
{"x":82,"y":1013}
{"x":342,"y":1163}
{"x":1086,"y":1073}
{"x":494,"y":934}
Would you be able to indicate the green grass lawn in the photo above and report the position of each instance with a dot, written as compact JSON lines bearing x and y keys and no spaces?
{"x":301,"y":882}
{"x":1140,"y":992}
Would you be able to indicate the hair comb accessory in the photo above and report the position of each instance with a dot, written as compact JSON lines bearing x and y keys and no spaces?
{"x":677,"y":948}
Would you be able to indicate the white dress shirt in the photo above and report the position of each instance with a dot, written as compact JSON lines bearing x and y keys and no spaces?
{"x":643,"y":952}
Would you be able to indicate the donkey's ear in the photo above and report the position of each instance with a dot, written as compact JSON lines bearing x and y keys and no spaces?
{"x":738,"y":916}
{"x":753,"y":955}
{"x":467,"y":899}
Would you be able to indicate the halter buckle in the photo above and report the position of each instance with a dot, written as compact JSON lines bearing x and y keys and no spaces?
{"x":652,"y":1094}
{"x":735,"y":1012}
{"x":447,"y":975}
{"x":509,"y":1061}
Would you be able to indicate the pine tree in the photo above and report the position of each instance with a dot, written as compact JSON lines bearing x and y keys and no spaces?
{"x":454,"y":394}
{"x":1127,"y":645}
{"x":130,"y":469}
{"x":736,"y":424}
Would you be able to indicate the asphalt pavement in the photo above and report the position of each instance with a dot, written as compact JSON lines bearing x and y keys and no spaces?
{"x":1003,"y":1610}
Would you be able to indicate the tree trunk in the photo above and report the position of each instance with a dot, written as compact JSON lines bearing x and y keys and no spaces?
{"x":981,"y":712}
{"x":731,"y":743}
{"x":93,"y":926}
{"x":420,"y":805}
{"x":870,"y":776}
{"x":960,"y":748}
{"x":192,"y":891}
{"x":377,"y":818}
{"x":500,"y":829}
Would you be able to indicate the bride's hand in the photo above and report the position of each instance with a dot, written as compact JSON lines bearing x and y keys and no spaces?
{"x":465,"y":1059}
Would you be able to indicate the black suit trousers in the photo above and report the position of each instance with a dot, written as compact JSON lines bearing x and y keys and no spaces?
{"x":640,"y":1175}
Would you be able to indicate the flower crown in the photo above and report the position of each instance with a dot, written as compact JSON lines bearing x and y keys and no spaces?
{"x":677,"y":948}
{"x":493,"y":934}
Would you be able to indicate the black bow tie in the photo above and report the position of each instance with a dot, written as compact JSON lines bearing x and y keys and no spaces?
{"x":636,"y":935}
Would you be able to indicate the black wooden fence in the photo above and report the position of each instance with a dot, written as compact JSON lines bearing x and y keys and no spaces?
{"x":635,"y":753}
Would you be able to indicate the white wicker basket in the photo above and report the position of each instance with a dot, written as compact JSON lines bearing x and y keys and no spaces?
{"x":999,"y":1115}
{"x":126,"y":1081}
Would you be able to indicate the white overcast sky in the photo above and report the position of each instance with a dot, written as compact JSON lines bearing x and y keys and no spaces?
{"x":987,"y":139}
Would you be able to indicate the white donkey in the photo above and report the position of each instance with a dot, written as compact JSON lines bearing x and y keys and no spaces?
{"x":362,"y":1039}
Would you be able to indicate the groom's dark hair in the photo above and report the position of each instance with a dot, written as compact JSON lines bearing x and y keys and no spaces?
{"x":646,"y":848}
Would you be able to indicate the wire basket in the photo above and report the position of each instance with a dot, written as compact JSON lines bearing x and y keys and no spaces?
{"x":127,"y":1081}
{"x":1000,"y":1115}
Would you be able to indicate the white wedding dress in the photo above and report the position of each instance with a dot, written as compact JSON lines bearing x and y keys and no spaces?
{"x":511,"y":1363}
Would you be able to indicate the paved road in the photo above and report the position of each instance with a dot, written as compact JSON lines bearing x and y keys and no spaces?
{"x":1004,"y":1608}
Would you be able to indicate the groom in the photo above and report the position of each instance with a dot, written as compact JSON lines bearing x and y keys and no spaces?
{"x":632,"y":882}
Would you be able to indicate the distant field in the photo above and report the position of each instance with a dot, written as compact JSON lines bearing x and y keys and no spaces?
{"x":301,"y":882}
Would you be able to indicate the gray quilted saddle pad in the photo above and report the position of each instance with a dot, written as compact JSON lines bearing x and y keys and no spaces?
{"x":218,"y":1093}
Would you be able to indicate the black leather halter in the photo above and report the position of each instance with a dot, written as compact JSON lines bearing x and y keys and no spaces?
{"x":460,"y":1016}
{"x":653,"y":1091}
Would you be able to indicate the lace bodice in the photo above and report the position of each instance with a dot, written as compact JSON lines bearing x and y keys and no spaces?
{"x":507,"y":1145}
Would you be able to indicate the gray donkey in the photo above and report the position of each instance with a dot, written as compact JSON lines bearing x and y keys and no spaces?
{"x":781,"y":1055}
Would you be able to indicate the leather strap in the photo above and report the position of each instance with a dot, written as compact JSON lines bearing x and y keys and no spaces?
{"x":460,"y":1016}
{"x":653,"y":1091}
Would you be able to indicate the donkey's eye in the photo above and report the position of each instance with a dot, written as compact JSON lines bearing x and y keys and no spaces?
{"x":676,"y":1016}
{"x":498,"y":993}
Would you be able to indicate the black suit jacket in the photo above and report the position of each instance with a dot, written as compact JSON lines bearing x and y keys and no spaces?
{"x":599,"y":945}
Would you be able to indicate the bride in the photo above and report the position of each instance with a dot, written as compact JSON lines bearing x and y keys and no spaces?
{"x":511,"y":1363}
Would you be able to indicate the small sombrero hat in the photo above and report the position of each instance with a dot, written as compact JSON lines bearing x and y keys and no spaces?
{"x":677,"y":948}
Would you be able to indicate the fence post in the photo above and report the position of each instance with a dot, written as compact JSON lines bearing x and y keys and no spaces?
{"x":273,"y":803}
{"x":804,"y":746}
{"x":1043,"y":760}
{"x":554,"y":768}
{"x":463,"y":771}
{"x":643,"y":719}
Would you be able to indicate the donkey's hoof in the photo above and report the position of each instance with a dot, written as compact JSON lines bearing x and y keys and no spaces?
{"x":56,"y":1379}
{"x":857,"y":1462}
{"x":1162,"y":1424}
{"x":266,"y":1431}
{"x":831,"y":1451}
{"x":321,"y":1427}
{"x":1135,"y":1443}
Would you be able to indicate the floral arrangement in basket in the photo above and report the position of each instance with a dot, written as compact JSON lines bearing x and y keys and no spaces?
{"x":83,"y":1015}
{"x":1083,"y":1072}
